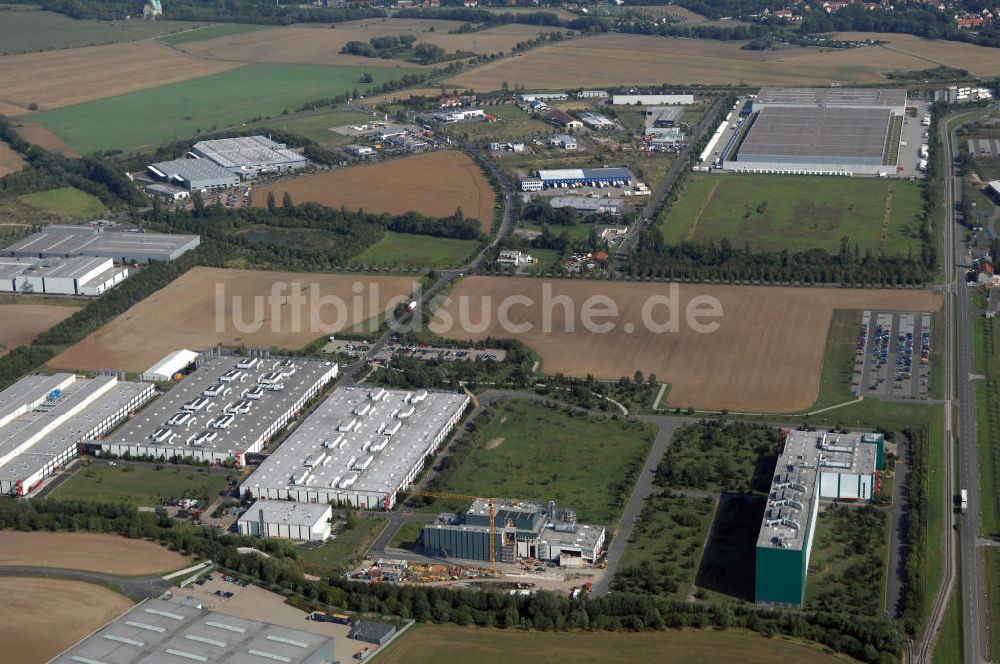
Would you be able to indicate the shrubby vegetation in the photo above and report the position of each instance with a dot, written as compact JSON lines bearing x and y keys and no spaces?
{"x":721,"y":456}
{"x":852,"y":541}
{"x":403,"y":47}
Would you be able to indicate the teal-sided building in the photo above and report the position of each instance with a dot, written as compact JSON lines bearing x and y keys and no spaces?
{"x":522,"y":530}
{"x":813,"y":465}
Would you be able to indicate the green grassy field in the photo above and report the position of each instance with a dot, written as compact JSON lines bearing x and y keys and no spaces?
{"x":531,"y":452}
{"x":663,"y":553}
{"x":407,"y":250}
{"x":515,"y":124}
{"x":180,"y":110}
{"x":317,"y":127}
{"x":796,"y":212}
{"x":345,"y":550}
{"x":142,"y":486}
{"x":28,"y":31}
{"x":992,"y":566}
{"x":442,"y":644}
{"x":948,"y":649}
{"x":408,"y":535}
{"x":66,"y":201}
{"x":988,"y":426}
{"x":209,"y":32}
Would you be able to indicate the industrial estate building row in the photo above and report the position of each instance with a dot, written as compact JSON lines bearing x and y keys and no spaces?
{"x":84,"y":260}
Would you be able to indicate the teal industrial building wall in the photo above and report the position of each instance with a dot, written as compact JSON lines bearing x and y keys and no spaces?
{"x":780,"y":576}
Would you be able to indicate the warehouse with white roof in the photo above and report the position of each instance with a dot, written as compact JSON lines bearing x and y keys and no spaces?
{"x":360,"y":447}
{"x":80,"y":275}
{"x":45,"y":419}
{"x":227,"y":408}
{"x":285,"y":519}
{"x":160,"y":631}
{"x":249,"y":156}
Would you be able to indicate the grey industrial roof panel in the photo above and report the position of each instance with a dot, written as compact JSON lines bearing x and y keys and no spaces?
{"x":69,"y":268}
{"x":245,"y":427}
{"x":831,"y":97}
{"x":192,"y":170}
{"x":164,"y":631}
{"x":817,"y":132}
{"x":331,"y":450}
{"x":246,"y":152}
{"x":90,"y":241}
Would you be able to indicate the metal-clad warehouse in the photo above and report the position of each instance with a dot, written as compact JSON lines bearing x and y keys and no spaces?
{"x":194,"y":174}
{"x":585,"y":176}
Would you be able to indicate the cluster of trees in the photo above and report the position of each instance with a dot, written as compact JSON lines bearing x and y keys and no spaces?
{"x":237,"y":11}
{"x":721,"y":261}
{"x":939,"y":73}
{"x":860,"y":534}
{"x":634,"y":392}
{"x":408,"y":372}
{"x":730,"y":456}
{"x":403,"y":47}
{"x":640,"y":24}
{"x":920,"y":20}
{"x":916,"y":531}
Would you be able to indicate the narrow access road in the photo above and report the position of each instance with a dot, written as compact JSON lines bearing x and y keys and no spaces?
{"x":135,"y":588}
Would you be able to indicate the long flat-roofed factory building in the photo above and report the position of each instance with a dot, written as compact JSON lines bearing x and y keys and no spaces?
{"x":120,"y":246}
{"x":227,"y":408}
{"x":45,"y":419}
{"x":361,"y":446}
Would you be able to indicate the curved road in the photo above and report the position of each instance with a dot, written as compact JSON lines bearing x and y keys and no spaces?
{"x":135,"y":588}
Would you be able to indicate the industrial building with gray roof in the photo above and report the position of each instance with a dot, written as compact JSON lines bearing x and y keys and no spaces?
{"x":124,"y":246}
{"x":249,"y":156}
{"x":194,"y":174}
{"x":160,"y":631}
{"x":227,"y":408}
{"x":822,"y":131}
{"x":361,"y":447}
{"x":44,"y":419}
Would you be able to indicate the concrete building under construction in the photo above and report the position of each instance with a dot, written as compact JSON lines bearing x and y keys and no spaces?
{"x":521,"y":530}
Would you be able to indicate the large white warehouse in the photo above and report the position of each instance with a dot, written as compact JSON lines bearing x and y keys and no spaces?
{"x":45,"y":419}
{"x":359,"y":447}
{"x":81,"y":275}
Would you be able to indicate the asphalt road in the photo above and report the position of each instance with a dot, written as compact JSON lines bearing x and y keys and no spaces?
{"x":135,"y":588}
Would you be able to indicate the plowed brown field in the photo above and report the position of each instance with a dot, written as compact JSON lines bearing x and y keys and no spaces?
{"x":24,"y":322}
{"x":38,"y":135}
{"x":184,"y":315}
{"x":765,"y":356}
{"x":433,"y":184}
{"x":92,"y":552}
{"x":321,"y":45}
{"x":32,"y":607}
{"x":60,"y":78}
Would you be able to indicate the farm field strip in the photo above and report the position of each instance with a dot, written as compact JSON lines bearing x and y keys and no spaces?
{"x":10,"y":161}
{"x":61,"y":78}
{"x":184,"y":315}
{"x":24,"y":322}
{"x":611,"y":59}
{"x":768,"y":346}
{"x":434,"y":184}
{"x":27,"y":30}
{"x":91,"y":552}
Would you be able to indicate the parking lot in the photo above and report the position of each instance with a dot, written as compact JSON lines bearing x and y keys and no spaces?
{"x":893,"y":356}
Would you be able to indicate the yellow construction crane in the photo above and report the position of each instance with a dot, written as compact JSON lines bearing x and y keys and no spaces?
{"x":491,"y":502}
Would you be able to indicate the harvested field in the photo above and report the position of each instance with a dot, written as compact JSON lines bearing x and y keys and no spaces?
{"x":600,"y":60}
{"x":928,"y":53}
{"x":38,"y":135}
{"x":440,"y":644}
{"x":321,"y":44}
{"x":60,"y":78}
{"x":24,"y":322}
{"x":10,"y":161}
{"x":91,"y":552}
{"x":765,"y":356}
{"x":32,"y":606}
{"x":183,"y":315}
{"x":433,"y":184}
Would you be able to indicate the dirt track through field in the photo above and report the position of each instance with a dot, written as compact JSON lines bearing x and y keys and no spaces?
{"x":765,"y":356}
{"x":60,"y":78}
{"x":24,"y":322}
{"x":434,"y":184}
{"x":40,"y":618}
{"x":184,"y":315}
{"x":91,"y":552}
